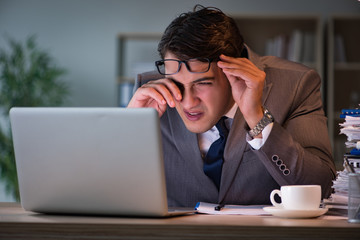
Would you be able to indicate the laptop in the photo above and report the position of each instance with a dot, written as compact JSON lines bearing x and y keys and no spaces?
{"x":97,"y":161}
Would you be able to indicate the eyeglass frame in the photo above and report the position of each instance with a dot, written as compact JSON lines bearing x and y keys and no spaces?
{"x":208,"y":60}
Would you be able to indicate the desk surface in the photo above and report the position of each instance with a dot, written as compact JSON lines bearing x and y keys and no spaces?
{"x":16,"y":223}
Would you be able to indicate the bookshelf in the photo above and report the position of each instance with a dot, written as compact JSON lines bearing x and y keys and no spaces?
{"x":258,"y":31}
{"x":343,"y":75}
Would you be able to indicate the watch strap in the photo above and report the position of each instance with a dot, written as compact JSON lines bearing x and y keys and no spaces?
{"x":266,"y":120}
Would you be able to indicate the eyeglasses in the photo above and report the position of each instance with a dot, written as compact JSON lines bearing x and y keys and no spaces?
{"x":173,"y":66}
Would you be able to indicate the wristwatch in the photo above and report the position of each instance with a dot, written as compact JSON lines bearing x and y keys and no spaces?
{"x":268,"y":118}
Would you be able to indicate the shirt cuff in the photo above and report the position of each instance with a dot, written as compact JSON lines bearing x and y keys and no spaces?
{"x":257,"y":143}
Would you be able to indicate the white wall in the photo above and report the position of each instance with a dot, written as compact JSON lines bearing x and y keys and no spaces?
{"x":81,"y":34}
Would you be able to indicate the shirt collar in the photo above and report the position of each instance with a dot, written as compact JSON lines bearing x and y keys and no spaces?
{"x":232,"y":111}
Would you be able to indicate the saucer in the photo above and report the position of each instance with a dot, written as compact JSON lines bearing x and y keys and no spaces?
{"x":288,"y":213}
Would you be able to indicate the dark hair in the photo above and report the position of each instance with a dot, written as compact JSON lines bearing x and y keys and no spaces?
{"x":204,"y":32}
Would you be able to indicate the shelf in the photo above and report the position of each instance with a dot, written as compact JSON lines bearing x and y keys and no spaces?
{"x":352,"y":66}
{"x":137,"y":53}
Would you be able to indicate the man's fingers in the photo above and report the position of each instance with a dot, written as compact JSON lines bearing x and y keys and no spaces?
{"x":236,"y":63}
{"x":244,"y":74}
{"x":145,"y":97}
{"x":160,"y":90}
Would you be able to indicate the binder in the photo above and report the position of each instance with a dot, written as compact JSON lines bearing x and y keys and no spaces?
{"x":350,"y":112}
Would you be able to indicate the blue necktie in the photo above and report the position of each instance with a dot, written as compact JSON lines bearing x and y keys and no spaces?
{"x":214,"y":158}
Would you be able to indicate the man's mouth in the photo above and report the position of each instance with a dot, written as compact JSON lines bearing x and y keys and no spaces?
{"x":193,"y":116}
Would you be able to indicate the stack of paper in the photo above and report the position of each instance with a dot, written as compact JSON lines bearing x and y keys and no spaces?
{"x":351,"y":128}
{"x":341,"y":184}
{"x":339,"y":199}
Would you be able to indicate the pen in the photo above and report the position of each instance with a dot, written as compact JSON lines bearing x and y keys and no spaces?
{"x":219,"y":207}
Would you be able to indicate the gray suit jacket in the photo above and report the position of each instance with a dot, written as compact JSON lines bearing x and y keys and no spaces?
{"x":299,"y":139}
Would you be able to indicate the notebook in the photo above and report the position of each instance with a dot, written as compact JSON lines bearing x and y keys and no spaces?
{"x":105,"y":161}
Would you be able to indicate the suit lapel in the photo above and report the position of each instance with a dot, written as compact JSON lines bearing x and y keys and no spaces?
{"x":235,"y":147}
{"x":185,"y":141}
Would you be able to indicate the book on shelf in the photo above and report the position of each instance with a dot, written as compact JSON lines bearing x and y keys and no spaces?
{"x":125,"y":92}
{"x":277,"y":46}
{"x":339,"y":49}
{"x":295,"y":46}
{"x":298,"y":46}
{"x":309,"y":48}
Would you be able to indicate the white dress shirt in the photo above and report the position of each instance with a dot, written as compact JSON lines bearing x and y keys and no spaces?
{"x":207,"y":138}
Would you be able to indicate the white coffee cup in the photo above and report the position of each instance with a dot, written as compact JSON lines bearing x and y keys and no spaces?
{"x":297,"y":197}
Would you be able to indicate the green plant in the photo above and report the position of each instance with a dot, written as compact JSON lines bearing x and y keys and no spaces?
{"x":28,"y":78}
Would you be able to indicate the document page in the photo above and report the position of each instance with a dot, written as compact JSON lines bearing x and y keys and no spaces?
{"x":209,"y":208}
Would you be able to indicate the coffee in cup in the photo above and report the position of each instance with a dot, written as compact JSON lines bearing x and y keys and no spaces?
{"x":297,"y":197}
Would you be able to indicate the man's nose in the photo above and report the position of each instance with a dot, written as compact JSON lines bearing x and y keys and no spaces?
{"x":189,"y":99}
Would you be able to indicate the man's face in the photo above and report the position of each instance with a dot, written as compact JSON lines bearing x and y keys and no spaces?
{"x":206,"y":97}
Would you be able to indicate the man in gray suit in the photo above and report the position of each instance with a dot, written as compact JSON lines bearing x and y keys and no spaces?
{"x":275,"y":128}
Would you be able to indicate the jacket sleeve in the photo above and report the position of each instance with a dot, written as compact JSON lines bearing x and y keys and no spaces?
{"x":298,"y":149}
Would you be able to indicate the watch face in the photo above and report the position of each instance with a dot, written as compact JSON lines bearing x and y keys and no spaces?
{"x":268,"y":115}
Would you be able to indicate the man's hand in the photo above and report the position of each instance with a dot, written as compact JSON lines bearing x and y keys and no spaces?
{"x":156,"y":94}
{"x":247,"y":83}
